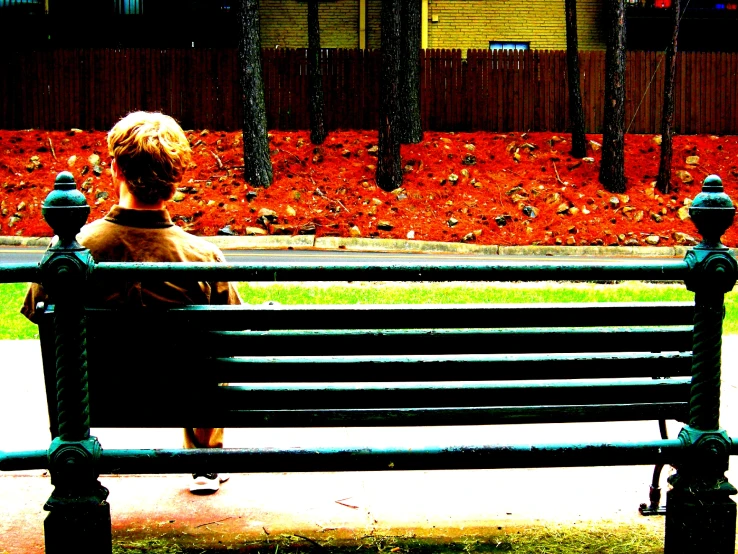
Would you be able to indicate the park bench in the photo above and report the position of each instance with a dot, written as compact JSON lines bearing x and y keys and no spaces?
{"x":386,"y":365}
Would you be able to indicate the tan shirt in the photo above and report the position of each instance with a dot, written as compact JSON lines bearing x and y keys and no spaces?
{"x":126,"y":235}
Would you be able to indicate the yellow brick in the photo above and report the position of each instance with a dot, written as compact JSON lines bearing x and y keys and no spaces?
{"x":462,"y":24}
{"x":540,"y":22}
{"x":284,"y":23}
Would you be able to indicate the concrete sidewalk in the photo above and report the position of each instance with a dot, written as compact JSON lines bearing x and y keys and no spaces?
{"x":328,"y":507}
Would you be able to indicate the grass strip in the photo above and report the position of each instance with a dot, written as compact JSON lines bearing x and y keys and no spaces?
{"x":453,"y":293}
{"x":584,"y":537}
{"x":12,"y":324}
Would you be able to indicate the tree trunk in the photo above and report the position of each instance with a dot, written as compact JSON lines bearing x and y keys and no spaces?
{"x":612,"y":165}
{"x":663,"y":181}
{"x":576,"y":112}
{"x":315,"y":70}
{"x":389,"y":170}
{"x":257,"y":164}
{"x":411,"y":131}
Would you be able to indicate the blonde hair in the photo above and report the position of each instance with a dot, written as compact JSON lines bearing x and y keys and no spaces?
{"x":151,"y":152}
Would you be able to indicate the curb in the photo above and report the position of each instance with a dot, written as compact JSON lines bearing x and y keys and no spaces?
{"x":24,"y":241}
{"x":310,"y":242}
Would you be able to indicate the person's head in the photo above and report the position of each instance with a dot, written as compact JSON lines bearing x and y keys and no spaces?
{"x":150,"y":153}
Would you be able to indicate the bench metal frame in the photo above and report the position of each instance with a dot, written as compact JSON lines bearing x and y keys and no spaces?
{"x":701,"y":516}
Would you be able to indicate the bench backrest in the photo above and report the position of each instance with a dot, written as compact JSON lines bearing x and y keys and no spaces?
{"x":385,"y":365}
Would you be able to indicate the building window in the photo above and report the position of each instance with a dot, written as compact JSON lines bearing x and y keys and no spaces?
{"x":128,"y":7}
{"x":8,"y":3}
{"x":508,"y":62}
{"x":504,"y":45}
{"x":22,"y":6}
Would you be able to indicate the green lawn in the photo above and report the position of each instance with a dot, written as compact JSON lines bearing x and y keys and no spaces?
{"x":453,"y":293}
{"x":15,"y":326}
{"x":12,"y":324}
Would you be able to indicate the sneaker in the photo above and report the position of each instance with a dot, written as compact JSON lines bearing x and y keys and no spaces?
{"x":207,"y":483}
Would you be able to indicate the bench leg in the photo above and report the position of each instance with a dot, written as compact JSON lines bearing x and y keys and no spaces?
{"x":83,"y":530}
{"x":694,"y":526}
{"x":700,"y":515}
{"x":654,"y":507}
{"x":79,"y":514}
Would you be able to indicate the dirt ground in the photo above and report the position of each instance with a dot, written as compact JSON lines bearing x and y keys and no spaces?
{"x":485,"y":188}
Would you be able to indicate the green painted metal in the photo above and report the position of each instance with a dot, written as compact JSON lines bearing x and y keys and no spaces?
{"x":503,"y":388}
{"x":701,"y":516}
{"x":418,"y":457}
{"x":437,"y":341}
{"x":393,"y":404}
{"x":65,"y":209}
{"x":19,"y":273}
{"x":487,"y":270}
{"x":712,"y":212}
{"x":411,"y":316}
{"x":170,"y":414}
{"x":620,"y":385}
{"x":24,"y":460}
{"x":461,"y":366}
{"x":77,"y":508}
{"x":133,"y":461}
{"x":482,"y":270}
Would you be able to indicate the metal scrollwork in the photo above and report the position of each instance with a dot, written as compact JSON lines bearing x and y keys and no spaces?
{"x":700,"y":515}
{"x":73,"y":474}
{"x":702,"y":473}
{"x":77,"y":507}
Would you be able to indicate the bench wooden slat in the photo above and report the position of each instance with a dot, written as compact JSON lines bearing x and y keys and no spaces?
{"x":410,"y":316}
{"x":209,"y":416}
{"x":468,"y":367}
{"x":482,"y":415}
{"x":439,"y":341}
{"x":386,"y":395}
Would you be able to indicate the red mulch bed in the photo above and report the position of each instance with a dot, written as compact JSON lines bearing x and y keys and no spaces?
{"x":484,"y":188}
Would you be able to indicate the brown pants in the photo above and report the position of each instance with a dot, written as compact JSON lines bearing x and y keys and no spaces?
{"x":203,"y":438}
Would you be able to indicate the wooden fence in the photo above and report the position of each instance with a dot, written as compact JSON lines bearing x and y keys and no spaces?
{"x":490,"y":91}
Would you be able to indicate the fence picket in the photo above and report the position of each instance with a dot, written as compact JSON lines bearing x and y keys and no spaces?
{"x":489,"y":91}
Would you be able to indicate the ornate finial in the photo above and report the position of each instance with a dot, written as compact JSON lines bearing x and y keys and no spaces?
{"x":66,"y":210}
{"x":712,"y":212}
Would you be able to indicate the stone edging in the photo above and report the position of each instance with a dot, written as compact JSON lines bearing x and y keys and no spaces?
{"x":309,"y":242}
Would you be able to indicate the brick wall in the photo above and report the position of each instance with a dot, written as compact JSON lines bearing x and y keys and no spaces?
{"x":339,"y":24}
{"x":591,"y":24}
{"x":373,"y":24}
{"x":284,"y":22}
{"x":461,"y":23}
{"x":473,"y":23}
